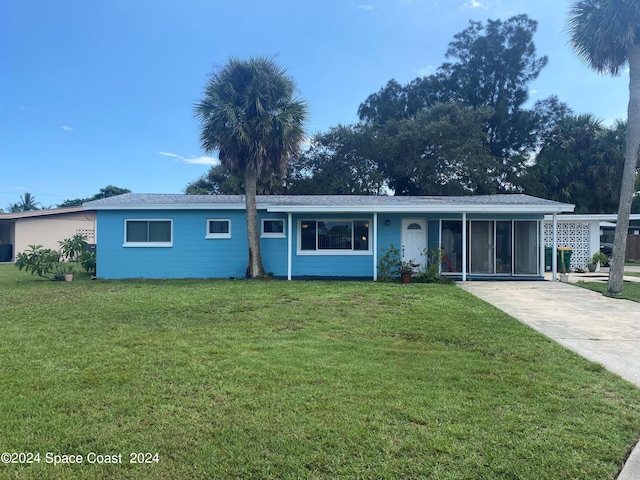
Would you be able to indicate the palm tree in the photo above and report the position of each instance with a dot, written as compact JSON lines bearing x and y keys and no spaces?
{"x":249,"y":114}
{"x":27,"y":203}
{"x":606,"y":34}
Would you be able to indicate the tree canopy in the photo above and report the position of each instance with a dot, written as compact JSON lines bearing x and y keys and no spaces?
{"x":27,"y":203}
{"x":490,"y":68}
{"x":580,"y":162}
{"x":105,"y":192}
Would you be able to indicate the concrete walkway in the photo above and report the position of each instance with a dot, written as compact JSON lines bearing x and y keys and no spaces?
{"x":601,"y":329}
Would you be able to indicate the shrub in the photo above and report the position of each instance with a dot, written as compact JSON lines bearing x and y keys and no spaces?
{"x":388,"y":264}
{"x":44,"y":262}
{"x":430,"y":272}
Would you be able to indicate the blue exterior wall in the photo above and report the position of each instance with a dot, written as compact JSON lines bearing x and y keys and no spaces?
{"x":194,"y":256}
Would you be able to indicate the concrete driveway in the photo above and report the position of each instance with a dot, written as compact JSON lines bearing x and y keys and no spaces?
{"x":604,"y":330}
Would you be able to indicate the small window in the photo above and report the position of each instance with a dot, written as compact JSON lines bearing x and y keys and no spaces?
{"x":148,"y":233}
{"x":272,"y":228}
{"x":414,"y":226}
{"x":218,"y":228}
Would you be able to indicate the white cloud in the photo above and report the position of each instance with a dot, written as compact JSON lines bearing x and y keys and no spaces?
{"x":470,"y":5}
{"x":365,"y":7}
{"x":423,"y":72}
{"x":66,"y":128}
{"x":203,"y":160}
{"x":533,"y":91}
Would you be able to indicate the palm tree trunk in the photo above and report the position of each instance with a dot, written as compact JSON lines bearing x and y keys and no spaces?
{"x":256,"y":269}
{"x":628,"y":175}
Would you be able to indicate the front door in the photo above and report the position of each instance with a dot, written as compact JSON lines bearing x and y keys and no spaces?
{"x":414,"y":240}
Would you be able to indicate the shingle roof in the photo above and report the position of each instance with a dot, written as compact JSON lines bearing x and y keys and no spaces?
{"x":286,"y":203}
{"x":41,"y":213}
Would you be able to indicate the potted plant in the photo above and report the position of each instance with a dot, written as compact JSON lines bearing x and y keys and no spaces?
{"x":597,"y":258}
{"x":406,"y":269}
{"x":68,"y":272}
{"x":564,"y":264}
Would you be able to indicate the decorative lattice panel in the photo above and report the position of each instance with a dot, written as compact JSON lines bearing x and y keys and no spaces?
{"x":575,"y":235}
{"x":88,"y":233}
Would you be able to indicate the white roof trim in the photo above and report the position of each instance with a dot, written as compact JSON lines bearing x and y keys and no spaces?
{"x":539,"y":209}
{"x":420,"y":209}
{"x":592,"y":217}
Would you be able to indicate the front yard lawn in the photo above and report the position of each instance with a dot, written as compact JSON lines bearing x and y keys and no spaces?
{"x":249,"y":379}
{"x":630,"y":290}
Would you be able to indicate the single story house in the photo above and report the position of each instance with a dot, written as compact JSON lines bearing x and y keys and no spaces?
{"x":205,"y":236}
{"x":43,"y":227}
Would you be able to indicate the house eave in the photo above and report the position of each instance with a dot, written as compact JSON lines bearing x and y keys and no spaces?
{"x":409,"y":209}
{"x":534,"y":209}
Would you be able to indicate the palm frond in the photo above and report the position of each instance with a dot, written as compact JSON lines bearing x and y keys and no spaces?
{"x":601,"y":32}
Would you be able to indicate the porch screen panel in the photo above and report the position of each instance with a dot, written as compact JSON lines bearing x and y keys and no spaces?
{"x":503,"y":247}
{"x":451,"y":239}
{"x":482,"y":247}
{"x":526,"y":247}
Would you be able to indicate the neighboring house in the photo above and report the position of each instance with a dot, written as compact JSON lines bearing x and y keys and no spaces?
{"x":43,"y":227}
{"x":205,"y":236}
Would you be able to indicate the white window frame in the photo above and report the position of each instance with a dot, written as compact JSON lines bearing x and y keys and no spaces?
{"x":321,"y":252}
{"x":264,"y":234}
{"x":210,"y":236}
{"x":147,"y":244}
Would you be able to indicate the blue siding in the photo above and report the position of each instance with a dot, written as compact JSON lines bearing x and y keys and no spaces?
{"x":389,"y":234}
{"x":194,"y":256}
{"x":191,"y":256}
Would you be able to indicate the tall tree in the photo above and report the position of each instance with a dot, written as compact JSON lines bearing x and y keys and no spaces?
{"x":489,"y":66}
{"x":441,"y":151}
{"x":251,"y":116}
{"x":338,"y":162}
{"x":606,"y":34}
{"x":27,"y":203}
{"x":105,"y":192}
{"x":220,"y":181}
{"x":580,"y":162}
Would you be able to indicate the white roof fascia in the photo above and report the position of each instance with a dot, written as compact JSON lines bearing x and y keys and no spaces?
{"x":420,"y":209}
{"x":592,"y":217}
{"x":436,"y":208}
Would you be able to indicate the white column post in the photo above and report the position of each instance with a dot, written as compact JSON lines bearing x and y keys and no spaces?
{"x":464,"y":246}
{"x":554,"y":250}
{"x":541,"y":263}
{"x":289,"y":245}
{"x":374,"y":245}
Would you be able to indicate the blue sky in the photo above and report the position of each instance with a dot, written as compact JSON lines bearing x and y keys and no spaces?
{"x":94,"y":93}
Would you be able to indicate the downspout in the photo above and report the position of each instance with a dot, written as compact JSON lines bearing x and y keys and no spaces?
{"x":375,"y":246}
{"x":554,"y":252}
{"x":289,"y":243}
{"x":464,"y":246}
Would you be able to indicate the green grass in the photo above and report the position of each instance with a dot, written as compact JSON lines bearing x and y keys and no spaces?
{"x":630,"y":290}
{"x":242,"y":379}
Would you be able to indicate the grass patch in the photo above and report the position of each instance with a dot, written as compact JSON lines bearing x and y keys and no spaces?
{"x":244,"y":379}
{"x":630,"y":290}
